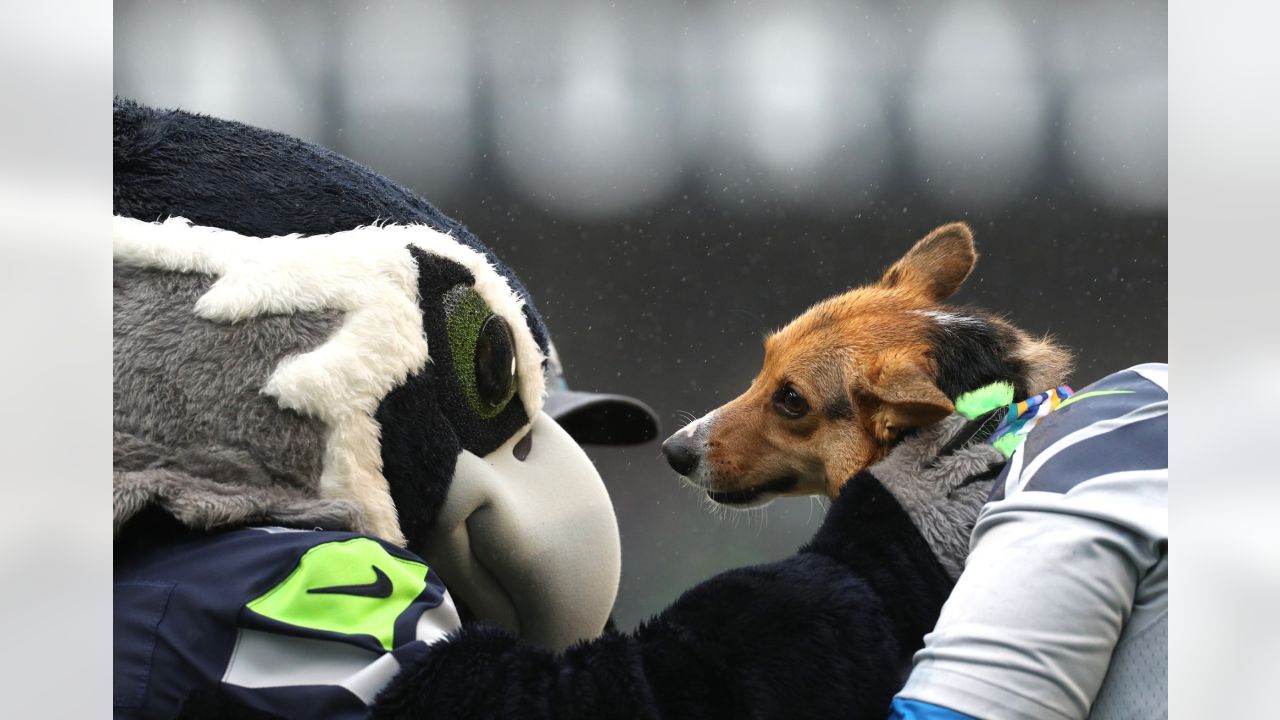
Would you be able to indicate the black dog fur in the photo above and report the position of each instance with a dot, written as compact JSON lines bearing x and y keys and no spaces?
{"x":973,"y":354}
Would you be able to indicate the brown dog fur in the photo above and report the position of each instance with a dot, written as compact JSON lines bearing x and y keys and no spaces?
{"x":867,"y":365}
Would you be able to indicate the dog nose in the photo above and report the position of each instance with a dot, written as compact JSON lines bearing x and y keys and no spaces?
{"x":680,"y":454}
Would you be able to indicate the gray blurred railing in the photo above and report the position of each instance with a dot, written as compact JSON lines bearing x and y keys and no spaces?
{"x":598,"y":110}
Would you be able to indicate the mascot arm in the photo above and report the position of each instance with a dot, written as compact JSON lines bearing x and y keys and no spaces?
{"x":827,"y":632}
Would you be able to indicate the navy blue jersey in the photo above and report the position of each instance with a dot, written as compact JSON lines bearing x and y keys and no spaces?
{"x":288,"y":622}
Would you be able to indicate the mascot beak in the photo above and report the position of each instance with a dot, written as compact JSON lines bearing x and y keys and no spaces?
{"x":528,"y":539}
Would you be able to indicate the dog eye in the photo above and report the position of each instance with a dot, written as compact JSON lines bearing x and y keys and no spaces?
{"x":787,"y":401}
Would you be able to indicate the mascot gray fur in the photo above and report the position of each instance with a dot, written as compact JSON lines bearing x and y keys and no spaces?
{"x":329,"y":407}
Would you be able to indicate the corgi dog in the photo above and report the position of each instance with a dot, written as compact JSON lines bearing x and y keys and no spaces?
{"x":845,"y":380}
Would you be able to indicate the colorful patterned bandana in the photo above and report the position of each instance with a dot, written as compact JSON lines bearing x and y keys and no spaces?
{"x":1017,"y":418}
{"x":1021,"y":417}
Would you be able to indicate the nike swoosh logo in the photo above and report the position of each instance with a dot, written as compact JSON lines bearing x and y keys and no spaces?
{"x":381,"y":587}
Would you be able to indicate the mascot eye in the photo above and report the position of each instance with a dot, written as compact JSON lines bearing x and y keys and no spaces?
{"x":495,"y":362}
{"x":484,"y":352}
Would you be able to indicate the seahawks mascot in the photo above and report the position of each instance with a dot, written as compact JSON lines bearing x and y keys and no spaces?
{"x":338,"y":491}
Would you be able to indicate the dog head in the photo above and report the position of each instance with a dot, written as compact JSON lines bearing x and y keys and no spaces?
{"x":845,"y":380}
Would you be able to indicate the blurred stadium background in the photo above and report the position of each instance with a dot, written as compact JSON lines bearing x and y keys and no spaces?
{"x":672,"y":180}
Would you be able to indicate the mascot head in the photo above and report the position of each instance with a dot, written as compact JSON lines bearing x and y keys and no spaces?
{"x":301,"y":342}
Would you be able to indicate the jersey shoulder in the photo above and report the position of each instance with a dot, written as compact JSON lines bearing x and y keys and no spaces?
{"x":272,"y":617}
{"x":1119,"y":424}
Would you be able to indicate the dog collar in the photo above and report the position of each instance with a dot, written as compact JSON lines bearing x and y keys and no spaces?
{"x":1017,"y":418}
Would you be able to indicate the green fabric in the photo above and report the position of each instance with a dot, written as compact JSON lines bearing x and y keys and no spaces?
{"x":985,"y":399}
{"x":337,"y":564}
{"x":1094,"y":393}
{"x":467,"y":313}
{"x":1008,"y":443}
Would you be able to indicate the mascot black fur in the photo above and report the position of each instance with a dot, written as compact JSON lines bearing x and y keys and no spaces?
{"x":329,"y":407}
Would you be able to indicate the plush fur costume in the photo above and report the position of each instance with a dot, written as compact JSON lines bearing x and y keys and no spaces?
{"x":208,"y":441}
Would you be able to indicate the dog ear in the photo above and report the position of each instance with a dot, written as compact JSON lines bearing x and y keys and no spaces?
{"x":908,"y":398}
{"x":937,"y":265}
